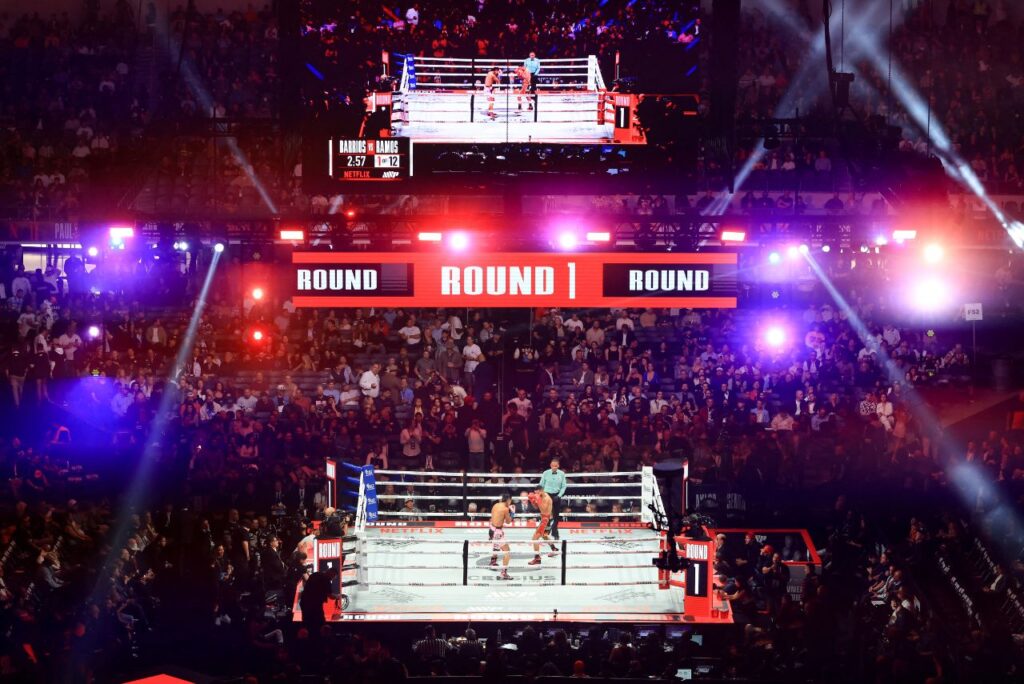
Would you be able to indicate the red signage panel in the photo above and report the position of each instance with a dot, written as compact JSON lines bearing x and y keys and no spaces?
{"x":514,"y":280}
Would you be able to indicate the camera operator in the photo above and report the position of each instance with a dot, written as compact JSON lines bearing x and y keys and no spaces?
{"x":333,"y":524}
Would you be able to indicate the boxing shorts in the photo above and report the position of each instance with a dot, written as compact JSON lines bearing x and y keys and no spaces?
{"x":544,"y":525}
{"x":496,"y":534}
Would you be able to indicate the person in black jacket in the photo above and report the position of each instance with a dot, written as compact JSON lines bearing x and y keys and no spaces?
{"x":315,"y":593}
{"x":274,"y":571}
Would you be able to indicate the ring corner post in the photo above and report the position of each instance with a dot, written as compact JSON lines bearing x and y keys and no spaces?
{"x":465,"y":562}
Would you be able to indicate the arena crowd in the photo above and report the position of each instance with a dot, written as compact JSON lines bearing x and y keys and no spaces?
{"x":246,"y":430}
{"x":106,"y":384}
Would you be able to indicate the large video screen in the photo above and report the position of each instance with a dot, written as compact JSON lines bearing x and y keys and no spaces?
{"x":450,"y":73}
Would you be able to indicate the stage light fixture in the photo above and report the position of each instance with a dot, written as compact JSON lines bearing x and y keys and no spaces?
{"x":792,"y":251}
{"x":733,"y":235}
{"x":904,"y":235}
{"x":826,"y":249}
{"x":774,"y":258}
{"x":93,"y":331}
{"x":93,"y":252}
{"x":292,"y":234}
{"x":930,"y":294}
{"x":881,"y":241}
{"x":218,"y":247}
{"x":775,"y":336}
{"x":257,"y":293}
{"x":934,"y":253}
{"x":429,"y":237}
{"x":121,"y":232}
{"x":566,"y":240}
{"x":458,"y":241}
{"x":803,"y":249}
{"x":599,"y":236}
{"x":257,"y":335}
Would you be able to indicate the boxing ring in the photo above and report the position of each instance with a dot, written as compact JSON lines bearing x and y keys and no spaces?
{"x":446,"y":100}
{"x":396,"y":565}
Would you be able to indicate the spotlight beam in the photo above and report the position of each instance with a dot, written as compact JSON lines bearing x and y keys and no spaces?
{"x":806,"y":83}
{"x":871,"y":48}
{"x":202,"y":95}
{"x":137,"y":492}
{"x":966,"y":477}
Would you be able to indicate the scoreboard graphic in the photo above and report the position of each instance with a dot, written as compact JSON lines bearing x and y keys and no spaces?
{"x":359,"y":159}
{"x":493,"y":279}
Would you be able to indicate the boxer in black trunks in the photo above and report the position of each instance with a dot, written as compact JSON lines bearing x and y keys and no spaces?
{"x":542,"y":500}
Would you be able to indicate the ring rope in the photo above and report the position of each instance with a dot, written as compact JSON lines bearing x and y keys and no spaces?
{"x":389,"y":538}
{"x":459,"y":567}
{"x":563,"y":514}
{"x":485,"y":553}
{"x":471,"y":485}
{"x":500,"y":583}
{"x":420,"y":473}
{"x":495,"y":62}
{"x":447,"y":497}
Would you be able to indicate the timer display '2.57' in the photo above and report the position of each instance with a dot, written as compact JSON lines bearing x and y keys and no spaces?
{"x":370,"y":159}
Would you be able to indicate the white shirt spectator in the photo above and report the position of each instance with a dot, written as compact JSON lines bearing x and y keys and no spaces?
{"x":412,"y":16}
{"x":472,"y":353}
{"x":21,"y":283}
{"x":369,"y":382}
{"x":26,"y":322}
{"x":454,"y":327}
{"x":350,"y":398}
{"x":411,"y":439}
{"x":523,"y":406}
{"x":70,"y":344}
{"x":624,"y":321}
{"x":891,"y":335}
{"x":246,"y":403}
{"x":657,"y":404}
{"x":884,"y":410}
{"x":120,"y":403}
{"x":412,"y":334}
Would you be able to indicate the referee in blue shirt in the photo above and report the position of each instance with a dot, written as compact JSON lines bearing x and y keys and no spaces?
{"x":553,"y":482}
{"x":532,"y":65}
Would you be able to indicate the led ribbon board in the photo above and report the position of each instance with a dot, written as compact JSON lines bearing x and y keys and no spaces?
{"x":514,"y":280}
